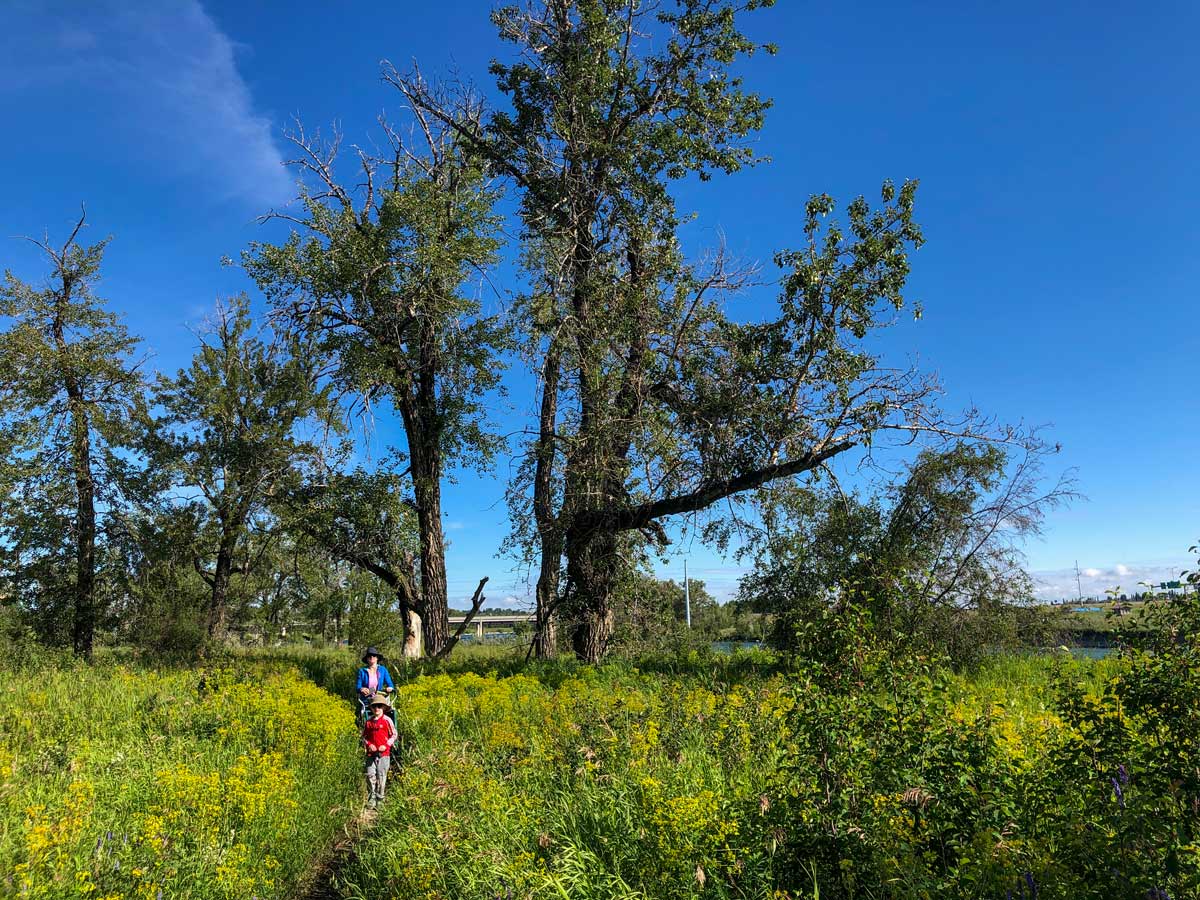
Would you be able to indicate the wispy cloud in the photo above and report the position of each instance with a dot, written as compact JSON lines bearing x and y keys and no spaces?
{"x":163,"y":76}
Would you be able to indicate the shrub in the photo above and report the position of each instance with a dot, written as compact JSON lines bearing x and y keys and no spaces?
{"x":19,"y":647}
{"x":370,"y":626}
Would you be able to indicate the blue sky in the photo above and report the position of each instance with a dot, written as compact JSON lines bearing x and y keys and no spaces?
{"x":1056,"y":146}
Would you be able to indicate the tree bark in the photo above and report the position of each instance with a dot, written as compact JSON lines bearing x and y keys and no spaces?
{"x":218,"y":604}
{"x":412,"y":634}
{"x":83,"y":630}
{"x":83,"y":620}
{"x":546,"y":638}
{"x":592,"y":565}
{"x":435,"y":607}
{"x":589,"y":545}
{"x":421,"y":415}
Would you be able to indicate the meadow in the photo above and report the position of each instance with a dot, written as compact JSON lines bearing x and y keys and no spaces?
{"x":124,"y":781}
{"x":740,"y":778}
{"x":725,"y":776}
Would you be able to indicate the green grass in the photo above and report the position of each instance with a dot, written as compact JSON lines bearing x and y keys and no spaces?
{"x":123,"y":781}
{"x":704,"y":777}
{"x":694,"y":775}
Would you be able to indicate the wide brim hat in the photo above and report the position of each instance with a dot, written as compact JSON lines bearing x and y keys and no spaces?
{"x":380,"y":700}
{"x":371,"y":651}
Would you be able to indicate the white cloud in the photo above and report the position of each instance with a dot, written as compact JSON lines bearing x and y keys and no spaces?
{"x":454,"y":525}
{"x":163,"y":78}
{"x":1058,"y":584}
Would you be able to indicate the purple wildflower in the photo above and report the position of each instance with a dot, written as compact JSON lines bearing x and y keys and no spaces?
{"x":1123,"y":773}
{"x":1117,"y":792}
{"x":1033,"y":891}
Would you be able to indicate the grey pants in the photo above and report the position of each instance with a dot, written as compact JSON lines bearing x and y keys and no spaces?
{"x":376,"y":768}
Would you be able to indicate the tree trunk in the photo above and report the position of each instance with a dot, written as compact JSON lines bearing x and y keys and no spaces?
{"x":546,"y":639}
{"x":590,"y":548}
{"x":593,"y":632}
{"x":422,"y":426}
{"x":435,"y":607}
{"x":83,"y":620}
{"x":412,"y":634}
{"x":83,"y":630}
{"x":592,"y":565}
{"x":218,"y":607}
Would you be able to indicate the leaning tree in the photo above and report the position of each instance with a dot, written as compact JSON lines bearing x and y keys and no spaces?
{"x":377,"y":276}
{"x":655,"y":401}
{"x":365,"y":519}
{"x":934,"y":557}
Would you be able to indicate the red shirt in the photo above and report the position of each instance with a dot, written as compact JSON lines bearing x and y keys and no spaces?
{"x":381,"y":733}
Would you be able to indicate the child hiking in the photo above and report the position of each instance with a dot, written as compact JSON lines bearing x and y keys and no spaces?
{"x":378,"y":735}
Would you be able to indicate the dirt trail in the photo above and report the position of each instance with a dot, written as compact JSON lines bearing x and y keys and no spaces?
{"x":320,"y":883}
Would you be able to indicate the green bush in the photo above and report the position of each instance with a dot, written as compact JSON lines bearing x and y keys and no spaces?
{"x":369,"y":626}
{"x":19,"y":647}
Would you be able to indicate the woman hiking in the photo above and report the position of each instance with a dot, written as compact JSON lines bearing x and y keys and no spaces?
{"x":373,"y":678}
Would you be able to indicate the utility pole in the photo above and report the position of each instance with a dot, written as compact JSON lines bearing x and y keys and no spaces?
{"x":687,"y":596}
{"x":1078,"y":586}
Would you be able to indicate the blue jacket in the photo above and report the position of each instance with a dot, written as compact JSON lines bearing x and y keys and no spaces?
{"x":385,"y":679}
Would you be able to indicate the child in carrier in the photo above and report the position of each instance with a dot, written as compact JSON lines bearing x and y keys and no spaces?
{"x":379,"y":736}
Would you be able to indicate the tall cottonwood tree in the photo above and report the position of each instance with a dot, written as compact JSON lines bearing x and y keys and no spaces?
{"x":653,"y":401}
{"x":377,"y":278}
{"x":69,"y":391}
{"x":598,"y":124}
{"x":232,"y":426}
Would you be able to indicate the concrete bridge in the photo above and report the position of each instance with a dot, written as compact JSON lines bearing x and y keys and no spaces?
{"x":481,"y":621}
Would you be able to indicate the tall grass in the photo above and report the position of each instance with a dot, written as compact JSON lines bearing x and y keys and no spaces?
{"x":698,"y":775}
{"x":119,"y":781}
{"x":740,"y":779}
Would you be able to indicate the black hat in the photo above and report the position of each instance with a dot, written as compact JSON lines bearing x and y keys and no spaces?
{"x":371,"y":651}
